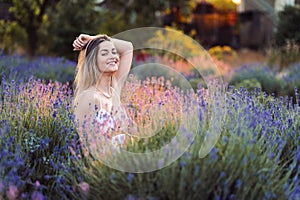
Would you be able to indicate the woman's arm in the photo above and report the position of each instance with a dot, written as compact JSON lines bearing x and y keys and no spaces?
{"x":125,"y":50}
{"x":80,"y":42}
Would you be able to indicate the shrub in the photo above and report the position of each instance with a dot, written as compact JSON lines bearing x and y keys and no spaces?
{"x":222,"y":53}
{"x":45,"y":68}
{"x":249,"y":84}
{"x":172,"y":41}
{"x":291,"y":77}
{"x":197,"y":82}
{"x":284,"y":56}
{"x":255,"y":157}
{"x":288,"y":27}
{"x":36,"y":131}
{"x":263,"y":74}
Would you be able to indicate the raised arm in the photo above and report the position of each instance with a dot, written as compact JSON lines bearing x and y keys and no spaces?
{"x":81,"y":41}
{"x":124,"y":48}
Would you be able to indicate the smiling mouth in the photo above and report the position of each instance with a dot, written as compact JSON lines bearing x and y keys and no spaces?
{"x":112,"y":62}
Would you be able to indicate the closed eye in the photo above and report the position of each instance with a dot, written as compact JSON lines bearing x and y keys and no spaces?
{"x":104,"y":52}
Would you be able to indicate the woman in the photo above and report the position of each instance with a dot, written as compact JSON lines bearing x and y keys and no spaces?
{"x":103,"y":66}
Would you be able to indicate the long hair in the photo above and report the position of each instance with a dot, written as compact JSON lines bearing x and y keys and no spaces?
{"x":88,"y":71}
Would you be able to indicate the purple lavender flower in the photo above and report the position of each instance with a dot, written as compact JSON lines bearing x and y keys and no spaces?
{"x":130,"y":177}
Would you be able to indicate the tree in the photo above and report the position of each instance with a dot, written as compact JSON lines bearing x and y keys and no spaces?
{"x":30,"y":15}
{"x":288,"y":25}
{"x":66,"y":20}
{"x":139,"y":13}
{"x":50,"y":26}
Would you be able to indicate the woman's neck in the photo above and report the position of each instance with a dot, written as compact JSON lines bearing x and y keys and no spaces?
{"x":104,"y":84}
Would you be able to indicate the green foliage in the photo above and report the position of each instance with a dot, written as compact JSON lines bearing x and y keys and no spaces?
{"x":285,"y":55}
{"x":256,"y":156}
{"x":288,"y":25}
{"x":291,"y":77}
{"x":221,"y":53}
{"x":264,"y":75}
{"x":196,"y":82}
{"x":39,"y":131}
{"x":49,"y":27}
{"x":11,"y":36}
{"x":175,"y":41}
{"x":249,"y":84}
{"x":223,"y":4}
{"x":162,"y":137}
{"x":246,"y":162}
{"x":67,"y":19}
{"x":136,"y":14}
{"x":281,"y":83}
{"x":112,"y":23}
{"x":30,"y":15}
{"x":70,"y":18}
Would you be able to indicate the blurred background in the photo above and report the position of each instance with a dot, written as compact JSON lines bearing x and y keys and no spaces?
{"x":254,"y":43}
{"x":34,"y":27}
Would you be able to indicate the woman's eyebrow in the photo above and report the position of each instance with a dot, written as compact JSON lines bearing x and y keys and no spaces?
{"x":113,"y":49}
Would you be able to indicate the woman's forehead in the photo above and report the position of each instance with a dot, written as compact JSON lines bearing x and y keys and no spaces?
{"x":106,"y":45}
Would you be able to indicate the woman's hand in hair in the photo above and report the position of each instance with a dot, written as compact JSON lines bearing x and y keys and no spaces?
{"x":81,"y":41}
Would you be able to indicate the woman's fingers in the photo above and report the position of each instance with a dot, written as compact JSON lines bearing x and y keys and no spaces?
{"x":81,"y":41}
{"x":84,"y":38}
{"x":78,"y":44}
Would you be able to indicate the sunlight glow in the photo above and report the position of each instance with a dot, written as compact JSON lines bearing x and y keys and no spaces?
{"x":237,"y":1}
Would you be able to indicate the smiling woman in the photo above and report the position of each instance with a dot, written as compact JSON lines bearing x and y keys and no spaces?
{"x":103,"y":66}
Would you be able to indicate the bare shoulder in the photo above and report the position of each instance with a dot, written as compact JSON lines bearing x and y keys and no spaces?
{"x":85,"y":98}
{"x":86,"y":103}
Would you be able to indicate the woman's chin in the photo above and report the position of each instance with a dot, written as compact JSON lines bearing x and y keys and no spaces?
{"x":111,"y":69}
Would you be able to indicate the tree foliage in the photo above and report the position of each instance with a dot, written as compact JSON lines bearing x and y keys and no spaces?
{"x":11,"y":36}
{"x":30,"y":15}
{"x":139,"y":13}
{"x":288,"y":25}
{"x":67,"y":19}
{"x":223,"y":5}
{"x":50,"y":26}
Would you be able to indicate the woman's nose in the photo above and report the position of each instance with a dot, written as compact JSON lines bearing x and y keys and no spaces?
{"x":114,"y":55}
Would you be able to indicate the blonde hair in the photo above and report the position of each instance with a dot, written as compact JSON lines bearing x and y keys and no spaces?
{"x":88,"y":71}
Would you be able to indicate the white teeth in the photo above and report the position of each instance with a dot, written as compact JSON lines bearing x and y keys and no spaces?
{"x":112,"y":62}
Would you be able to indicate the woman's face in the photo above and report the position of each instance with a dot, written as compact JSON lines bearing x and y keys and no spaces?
{"x":108,"y":58}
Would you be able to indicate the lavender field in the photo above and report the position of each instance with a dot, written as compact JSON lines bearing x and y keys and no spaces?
{"x":257,"y":155}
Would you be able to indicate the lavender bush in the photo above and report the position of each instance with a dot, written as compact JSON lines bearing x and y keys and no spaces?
{"x":36,"y":131}
{"x":280,"y":83}
{"x":291,"y":78}
{"x":45,"y":68}
{"x":267,"y":78}
{"x":256,"y":157}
